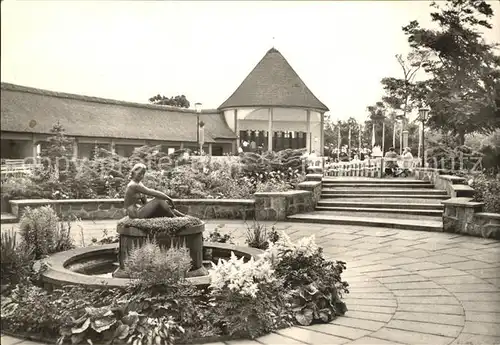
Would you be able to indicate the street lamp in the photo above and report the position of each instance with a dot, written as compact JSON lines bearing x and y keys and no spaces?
{"x":197,"y":107}
{"x":423,"y":112}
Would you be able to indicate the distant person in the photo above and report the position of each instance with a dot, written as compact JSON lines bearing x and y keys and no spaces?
{"x":391,"y":164}
{"x":407,"y":161}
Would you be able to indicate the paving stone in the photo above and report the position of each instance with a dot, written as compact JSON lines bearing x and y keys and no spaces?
{"x":393,"y":249}
{"x":470,"y":265}
{"x":481,"y":306}
{"x":377,"y":256}
{"x":482,"y":317}
{"x":372,"y":341}
{"x":422,"y":292}
{"x":409,"y":337}
{"x":345,"y":237}
{"x":412,"y":285}
{"x":484,"y":328}
{"x":489,"y":258}
{"x":471,"y":288}
{"x":459,"y":252}
{"x":398,"y":260}
{"x":380,"y":240}
{"x":463,"y":279}
{"x":309,"y":336}
{"x":478,"y":296}
{"x":360,"y":263}
{"x":359,"y":253}
{"x":487,"y":272}
{"x":340,"y":331}
{"x":373,"y":301}
{"x":436,"y":308}
{"x":432,"y":246}
{"x":374,"y":268}
{"x":371,"y":289}
{"x":371,"y":309}
{"x":389,"y":273}
{"x":428,"y":300}
{"x":358,"y":323}
{"x":475,"y":339}
{"x":442,"y":272}
{"x":382,"y":317}
{"x":419,"y":266}
{"x":365,"y":245}
{"x":369,"y":295}
{"x":494,"y":281}
{"x":444,"y":259}
{"x":274,"y":338}
{"x":402,"y":279}
{"x":446,"y":319}
{"x":426,"y":327}
{"x":401,"y":243}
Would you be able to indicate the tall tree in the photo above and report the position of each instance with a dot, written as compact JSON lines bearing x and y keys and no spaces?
{"x":177,"y":101}
{"x":404,"y":92}
{"x":464,"y":89}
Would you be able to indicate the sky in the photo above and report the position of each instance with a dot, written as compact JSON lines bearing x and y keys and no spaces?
{"x":132,"y":50}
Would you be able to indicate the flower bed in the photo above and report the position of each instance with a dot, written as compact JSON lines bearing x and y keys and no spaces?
{"x":290,"y":283}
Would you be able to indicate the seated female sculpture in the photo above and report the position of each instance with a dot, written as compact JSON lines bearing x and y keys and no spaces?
{"x":136,"y":204}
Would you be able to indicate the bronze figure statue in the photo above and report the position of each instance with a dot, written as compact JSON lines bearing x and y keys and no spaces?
{"x":136,"y":204}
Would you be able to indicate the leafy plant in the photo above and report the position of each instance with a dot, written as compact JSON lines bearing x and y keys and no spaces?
{"x":259,"y":237}
{"x":487,"y":190}
{"x":216,"y":237}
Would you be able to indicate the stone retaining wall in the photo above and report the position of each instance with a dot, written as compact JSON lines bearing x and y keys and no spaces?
{"x":264,"y":206}
{"x":464,"y":216}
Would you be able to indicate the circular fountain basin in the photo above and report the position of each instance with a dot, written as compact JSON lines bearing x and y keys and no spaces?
{"x":93,"y":266}
{"x":191,"y":237}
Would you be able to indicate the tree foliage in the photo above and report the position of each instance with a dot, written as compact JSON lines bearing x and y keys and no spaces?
{"x":464,"y":86}
{"x":177,"y":101}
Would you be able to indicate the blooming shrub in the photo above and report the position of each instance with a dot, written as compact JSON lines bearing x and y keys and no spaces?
{"x":152,"y":265}
{"x":42,"y":229}
{"x":247,"y":299}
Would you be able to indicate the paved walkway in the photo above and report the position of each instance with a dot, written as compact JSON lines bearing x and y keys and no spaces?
{"x":407,"y":287}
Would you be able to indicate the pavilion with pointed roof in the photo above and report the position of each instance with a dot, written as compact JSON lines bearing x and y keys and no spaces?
{"x":272,"y":108}
{"x":275,"y":109}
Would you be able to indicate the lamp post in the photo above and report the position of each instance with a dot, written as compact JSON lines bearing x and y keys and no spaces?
{"x":197,"y":107}
{"x":423,"y":112}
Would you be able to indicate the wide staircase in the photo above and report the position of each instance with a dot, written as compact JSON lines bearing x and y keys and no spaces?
{"x":392,"y":203}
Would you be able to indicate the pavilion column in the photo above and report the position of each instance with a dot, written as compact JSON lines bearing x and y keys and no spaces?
{"x":75,"y":148}
{"x":373,"y":135}
{"x":322,"y":136}
{"x":383,"y":136}
{"x":210,"y":149}
{"x":308,"y":121}
{"x":237,"y":131}
{"x":270,"y":130}
{"x":113,"y":146}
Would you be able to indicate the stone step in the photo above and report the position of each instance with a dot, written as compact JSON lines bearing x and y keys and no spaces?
{"x":381,"y":204}
{"x":384,"y":195}
{"x":377,"y":199}
{"x":406,"y":224}
{"x":402,"y":211}
{"x":356,"y":180}
{"x":383,"y":190}
{"x":8,"y":218}
{"x":377,"y":185}
{"x":377,"y":214}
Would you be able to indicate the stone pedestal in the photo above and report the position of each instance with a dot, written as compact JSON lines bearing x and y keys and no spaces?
{"x":190,"y":237}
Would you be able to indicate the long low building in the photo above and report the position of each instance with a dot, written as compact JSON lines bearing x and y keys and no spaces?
{"x":271,"y":99}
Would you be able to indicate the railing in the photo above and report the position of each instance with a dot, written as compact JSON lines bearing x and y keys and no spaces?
{"x":374,"y":167}
{"x":16,"y":168}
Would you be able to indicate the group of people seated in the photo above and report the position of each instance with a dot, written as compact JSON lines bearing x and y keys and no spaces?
{"x":392,"y":167}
